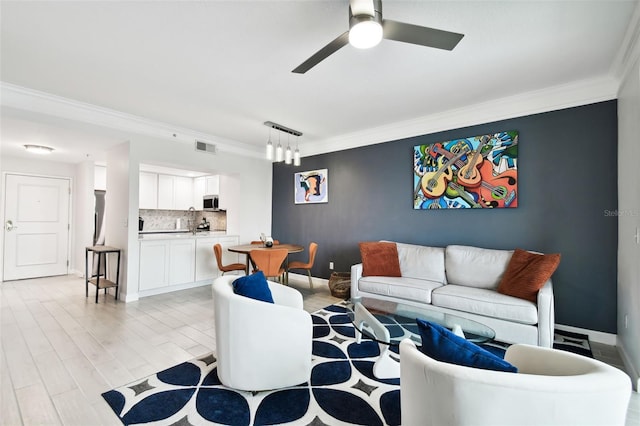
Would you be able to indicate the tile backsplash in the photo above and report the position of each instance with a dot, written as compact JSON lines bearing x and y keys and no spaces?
{"x":166,"y":220}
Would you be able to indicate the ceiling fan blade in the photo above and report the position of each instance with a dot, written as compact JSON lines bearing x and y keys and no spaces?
{"x":415,"y":34}
{"x":322,"y":54}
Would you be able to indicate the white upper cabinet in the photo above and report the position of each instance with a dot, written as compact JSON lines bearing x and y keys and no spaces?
{"x":183,"y":193}
{"x":166,"y":187}
{"x":148,"y":193}
{"x":198,"y":192}
{"x":169,"y":192}
{"x":175,"y":192}
{"x":212,"y":185}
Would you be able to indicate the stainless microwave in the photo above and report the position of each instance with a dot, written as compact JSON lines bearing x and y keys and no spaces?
{"x":210,"y":203}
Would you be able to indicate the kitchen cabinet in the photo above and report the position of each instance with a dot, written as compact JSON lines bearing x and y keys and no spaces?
{"x":154,"y":264}
{"x":183,"y":193}
{"x":206,"y":265}
{"x":212,"y":185}
{"x":199,"y":186}
{"x":181,"y":261}
{"x":205,"y":185}
{"x":148,"y":190}
{"x":175,"y":192}
{"x":172,"y":262}
{"x":166,"y":185}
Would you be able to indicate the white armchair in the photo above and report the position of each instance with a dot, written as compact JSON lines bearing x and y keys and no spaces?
{"x":552,"y":387}
{"x":259,"y":345}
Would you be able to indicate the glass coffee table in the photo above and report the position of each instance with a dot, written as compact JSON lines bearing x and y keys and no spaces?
{"x":388,"y":323}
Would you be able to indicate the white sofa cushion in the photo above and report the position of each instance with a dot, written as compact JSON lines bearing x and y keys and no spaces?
{"x":417,"y":290}
{"x":476,"y":267}
{"x":422,"y":262}
{"x":485,"y":302}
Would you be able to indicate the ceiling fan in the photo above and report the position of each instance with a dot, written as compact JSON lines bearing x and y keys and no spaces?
{"x":367,"y":28}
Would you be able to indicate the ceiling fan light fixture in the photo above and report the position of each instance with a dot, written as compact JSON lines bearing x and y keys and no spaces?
{"x":365,"y":32}
{"x":38,"y":149}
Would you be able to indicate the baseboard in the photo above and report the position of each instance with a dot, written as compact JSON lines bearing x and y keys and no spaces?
{"x":629,"y":368}
{"x":169,"y":289}
{"x":594,"y":336}
{"x":305,"y":278}
{"x":129,"y":297}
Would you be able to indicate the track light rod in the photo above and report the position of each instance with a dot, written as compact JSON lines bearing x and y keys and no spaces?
{"x":282,"y":128}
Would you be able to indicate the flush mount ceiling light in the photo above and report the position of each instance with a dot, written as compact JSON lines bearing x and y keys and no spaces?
{"x":38,"y":149}
{"x":280,"y":153}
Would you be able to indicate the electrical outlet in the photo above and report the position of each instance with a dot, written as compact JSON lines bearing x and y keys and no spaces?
{"x":331,"y":265}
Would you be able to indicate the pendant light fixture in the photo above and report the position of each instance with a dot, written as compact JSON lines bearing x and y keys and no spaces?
{"x":279,"y":150}
{"x":287,"y":156}
{"x":269,"y":147}
{"x":296,"y":154}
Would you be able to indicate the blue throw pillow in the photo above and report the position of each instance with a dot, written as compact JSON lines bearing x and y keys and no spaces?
{"x":442,"y":345}
{"x":254,"y":286}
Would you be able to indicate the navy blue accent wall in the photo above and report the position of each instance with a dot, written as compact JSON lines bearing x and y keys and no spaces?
{"x":567,"y":185}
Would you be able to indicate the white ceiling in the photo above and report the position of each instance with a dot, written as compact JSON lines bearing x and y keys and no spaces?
{"x":222,"y":68}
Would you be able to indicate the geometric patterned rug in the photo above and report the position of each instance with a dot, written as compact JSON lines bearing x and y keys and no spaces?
{"x":342,"y":389}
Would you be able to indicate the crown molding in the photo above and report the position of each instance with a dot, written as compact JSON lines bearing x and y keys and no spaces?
{"x":544,"y":100}
{"x":45,"y":103}
{"x":553,"y":98}
{"x":629,"y":51}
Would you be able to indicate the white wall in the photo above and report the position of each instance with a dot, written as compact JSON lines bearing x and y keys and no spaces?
{"x":119,"y":214}
{"x":83,"y":215}
{"x":629,"y":221}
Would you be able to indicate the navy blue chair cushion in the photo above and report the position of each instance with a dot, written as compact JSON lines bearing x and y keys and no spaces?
{"x":254,"y":286}
{"x":442,"y":345}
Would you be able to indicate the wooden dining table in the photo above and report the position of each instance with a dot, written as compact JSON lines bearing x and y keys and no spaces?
{"x":246,"y":249}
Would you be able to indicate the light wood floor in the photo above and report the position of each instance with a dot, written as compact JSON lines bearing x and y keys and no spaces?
{"x":60,"y":350}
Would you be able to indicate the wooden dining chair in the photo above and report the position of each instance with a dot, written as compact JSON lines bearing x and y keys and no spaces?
{"x":270,"y":262}
{"x":217,"y":250}
{"x":313,"y":247}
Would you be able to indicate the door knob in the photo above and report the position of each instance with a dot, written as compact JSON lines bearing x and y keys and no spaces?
{"x":9,"y":226}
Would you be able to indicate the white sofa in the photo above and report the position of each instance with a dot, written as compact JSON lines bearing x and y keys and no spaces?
{"x":463,"y":281}
{"x":552,"y":387}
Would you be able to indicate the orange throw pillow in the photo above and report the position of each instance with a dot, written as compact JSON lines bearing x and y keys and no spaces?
{"x":526,"y":274}
{"x":380,"y":259}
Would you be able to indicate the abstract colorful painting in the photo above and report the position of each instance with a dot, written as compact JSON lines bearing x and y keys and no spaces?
{"x":477,"y":172}
{"x":311,"y":187}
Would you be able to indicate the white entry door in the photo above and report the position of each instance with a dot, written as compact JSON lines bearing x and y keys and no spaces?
{"x":36,"y":228}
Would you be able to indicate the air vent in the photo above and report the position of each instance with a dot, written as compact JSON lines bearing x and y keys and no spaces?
{"x":205,"y":147}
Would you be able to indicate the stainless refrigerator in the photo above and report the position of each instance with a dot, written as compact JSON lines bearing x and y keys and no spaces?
{"x":98,"y":229}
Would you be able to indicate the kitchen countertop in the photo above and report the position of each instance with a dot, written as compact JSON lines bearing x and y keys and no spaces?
{"x":171,"y":234}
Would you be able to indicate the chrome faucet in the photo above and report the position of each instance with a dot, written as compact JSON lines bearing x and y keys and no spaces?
{"x":191,"y":222}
